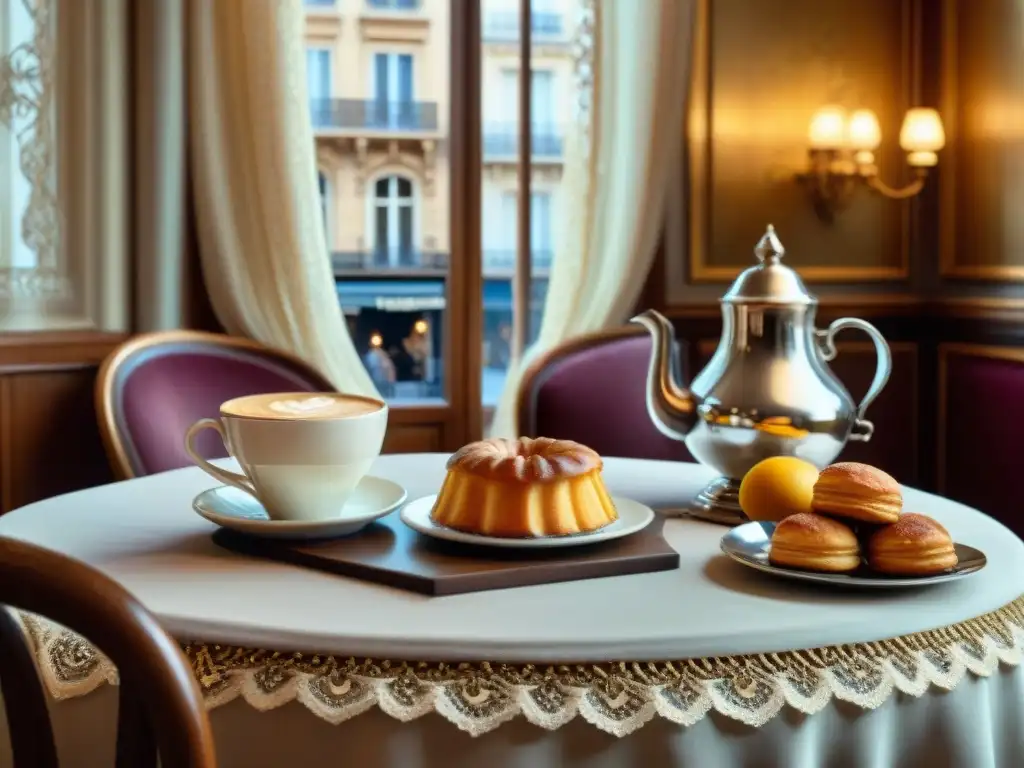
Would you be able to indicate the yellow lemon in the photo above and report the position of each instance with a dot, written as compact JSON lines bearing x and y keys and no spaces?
{"x":778,"y":487}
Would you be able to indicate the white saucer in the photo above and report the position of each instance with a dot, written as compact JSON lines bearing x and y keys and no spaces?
{"x":633,"y":517}
{"x":232,"y":508}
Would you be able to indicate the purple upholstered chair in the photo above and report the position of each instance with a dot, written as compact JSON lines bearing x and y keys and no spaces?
{"x":592,"y":390}
{"x":151,"y":389}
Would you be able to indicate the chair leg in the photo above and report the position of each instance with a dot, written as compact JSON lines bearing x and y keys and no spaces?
{"x":136,"y":745}
{"x":28,"y":720}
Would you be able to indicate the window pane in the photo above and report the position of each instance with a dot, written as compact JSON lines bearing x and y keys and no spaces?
{"x":382,"y":69}
{"x":388,"y":210}
{"x":551,"y":74}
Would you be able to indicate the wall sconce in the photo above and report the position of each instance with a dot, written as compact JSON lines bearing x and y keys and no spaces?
{"x":842,"y":154}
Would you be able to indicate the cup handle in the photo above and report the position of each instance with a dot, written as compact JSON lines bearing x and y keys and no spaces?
{"x":227,"y":477}
{"x":862,"y":428}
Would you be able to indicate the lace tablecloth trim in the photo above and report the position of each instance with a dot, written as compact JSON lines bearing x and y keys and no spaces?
{"x":616,"y":697}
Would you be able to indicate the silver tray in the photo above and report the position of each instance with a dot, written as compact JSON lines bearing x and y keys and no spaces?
{"x":750,"y":543}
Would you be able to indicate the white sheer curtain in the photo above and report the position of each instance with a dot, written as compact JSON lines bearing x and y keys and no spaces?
{"x":261,"y":236}
{"x":619,"y":166}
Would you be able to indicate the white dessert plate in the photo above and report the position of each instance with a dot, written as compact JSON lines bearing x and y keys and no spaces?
{"x":633,"y":517}
{"x":750,"y":544}
{"x":232,"y":508}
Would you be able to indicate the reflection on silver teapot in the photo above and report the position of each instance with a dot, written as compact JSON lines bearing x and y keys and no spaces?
{"x":767,"y":391}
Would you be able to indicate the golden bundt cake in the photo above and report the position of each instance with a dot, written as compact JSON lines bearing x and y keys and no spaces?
{"x":524,"y":488}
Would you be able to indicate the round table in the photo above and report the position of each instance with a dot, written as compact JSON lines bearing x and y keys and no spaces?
{"x":709,"y":664}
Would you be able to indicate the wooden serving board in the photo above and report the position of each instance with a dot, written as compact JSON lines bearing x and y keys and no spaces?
{"x":389,"y":552}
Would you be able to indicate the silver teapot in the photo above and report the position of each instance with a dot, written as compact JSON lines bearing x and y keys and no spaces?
{"x":767,"y":391}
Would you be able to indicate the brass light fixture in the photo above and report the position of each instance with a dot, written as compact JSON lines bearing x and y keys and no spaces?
{"x":842,"y":154}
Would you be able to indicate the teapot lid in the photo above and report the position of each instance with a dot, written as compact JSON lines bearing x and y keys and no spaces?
{"x":770,"y":281}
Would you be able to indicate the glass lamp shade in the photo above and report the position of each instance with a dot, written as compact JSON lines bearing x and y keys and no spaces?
{"x":864,"y":131}
{"x":922,"y":136}
{"x":828,"y":128}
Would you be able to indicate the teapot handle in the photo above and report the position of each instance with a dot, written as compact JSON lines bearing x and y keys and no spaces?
{"x":862,"y":428}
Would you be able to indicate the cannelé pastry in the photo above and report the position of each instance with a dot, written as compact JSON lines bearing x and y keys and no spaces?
{"x":524,"y":488}
{"x":813,"y":542}
{"x":916,"y":545}
{"x":857,"y":492}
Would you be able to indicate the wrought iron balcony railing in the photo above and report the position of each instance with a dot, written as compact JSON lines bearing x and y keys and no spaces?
{"x":389,"y":258}
{"x":503,"y":26}
{"x":502,"y":140}
{"x":393,"y":5}
{"x":374,"y":114}
{"x":506,"y":258}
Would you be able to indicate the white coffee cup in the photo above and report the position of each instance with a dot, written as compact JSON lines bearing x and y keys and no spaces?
{"x":302,"y":454}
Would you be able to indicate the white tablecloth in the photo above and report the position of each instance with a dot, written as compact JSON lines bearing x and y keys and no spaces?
{"x":144,"y":534}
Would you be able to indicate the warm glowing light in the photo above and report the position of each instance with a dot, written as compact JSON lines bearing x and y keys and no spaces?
{"x":420,"y":326}
{"x":922,"y":136}
{"x":864,"y":131}
{"x":828,"y":128}
{"x":376,"y":340}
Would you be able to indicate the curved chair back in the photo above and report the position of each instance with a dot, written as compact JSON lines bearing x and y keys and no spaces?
{"x":161,"y":709}
{"x":592,"y":389}
{"x":152,"y":388}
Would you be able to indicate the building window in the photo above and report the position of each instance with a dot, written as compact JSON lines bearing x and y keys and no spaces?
{"x":392,"y":225}
{"x":318,"y":85}
{"x":393,"y":104}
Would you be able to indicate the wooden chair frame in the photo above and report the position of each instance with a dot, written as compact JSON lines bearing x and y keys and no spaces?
{"x":160,"y":707}
{"x":113,"y":440}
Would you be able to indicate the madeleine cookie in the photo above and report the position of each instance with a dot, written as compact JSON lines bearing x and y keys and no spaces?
{"x":916,"y":545}
{"x":812,"y":542}
{"x":858,"y":492}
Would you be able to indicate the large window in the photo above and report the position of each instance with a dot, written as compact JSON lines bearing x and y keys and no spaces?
{"x":384,"y":188}
{"x":397,"y":202}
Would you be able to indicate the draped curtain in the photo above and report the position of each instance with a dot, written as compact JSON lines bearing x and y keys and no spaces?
{"x":263,"y":247}
{"x":620,"y":163}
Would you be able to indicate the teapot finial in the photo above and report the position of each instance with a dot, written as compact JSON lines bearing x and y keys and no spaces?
{"x":769,"y":248}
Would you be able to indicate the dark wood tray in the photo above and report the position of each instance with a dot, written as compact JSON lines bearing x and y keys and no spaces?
{"x":389,"y":552}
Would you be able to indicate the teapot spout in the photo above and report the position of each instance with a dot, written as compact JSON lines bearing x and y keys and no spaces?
{"x":671,"y":406}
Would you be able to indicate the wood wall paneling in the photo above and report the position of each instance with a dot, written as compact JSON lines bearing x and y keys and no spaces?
{"x":982,"y":174}
{"x":762,"y":70}
{"x":421,"y":430}
{"x":49,"y":433}
{"x":49,"y":439}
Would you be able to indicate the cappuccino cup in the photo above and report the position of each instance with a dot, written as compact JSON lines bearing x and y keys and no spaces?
{"x":302,"y":454}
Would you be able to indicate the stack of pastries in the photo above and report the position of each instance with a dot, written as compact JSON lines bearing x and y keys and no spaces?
{"x":524,"y":488}
{"x":856,"y":518}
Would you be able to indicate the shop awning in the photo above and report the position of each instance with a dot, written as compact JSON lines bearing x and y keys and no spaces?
{"x":391,"y":295}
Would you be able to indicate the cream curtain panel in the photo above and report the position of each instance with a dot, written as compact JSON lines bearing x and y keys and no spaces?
{"x":618,"y":170}
{"x":254,"y":174}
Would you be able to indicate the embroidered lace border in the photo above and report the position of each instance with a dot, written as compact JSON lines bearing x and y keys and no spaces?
{"x":616,"y":697}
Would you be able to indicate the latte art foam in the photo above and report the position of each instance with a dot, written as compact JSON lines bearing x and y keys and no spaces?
{"x":302,"y":407}
{"x":289,"y":406}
